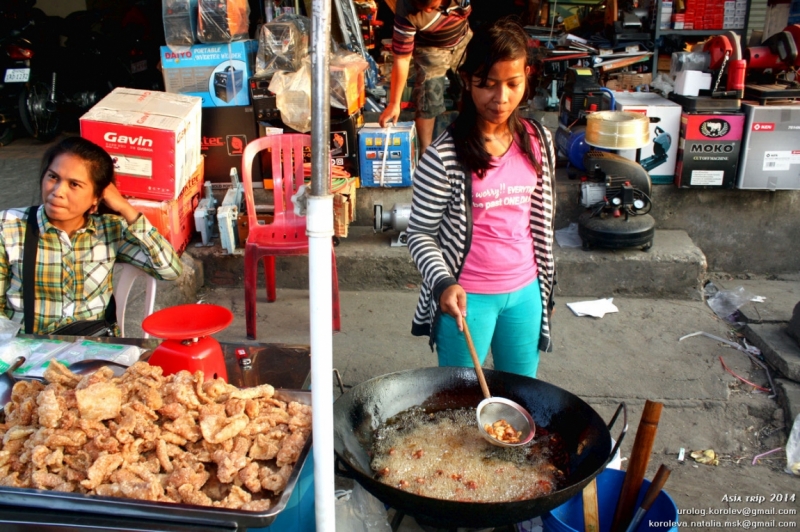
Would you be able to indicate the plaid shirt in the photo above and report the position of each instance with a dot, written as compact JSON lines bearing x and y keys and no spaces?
{"x":73,"y":275}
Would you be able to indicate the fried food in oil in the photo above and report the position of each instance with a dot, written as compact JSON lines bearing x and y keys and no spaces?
{"x":501,"y":430}
{"x":177,"y":439}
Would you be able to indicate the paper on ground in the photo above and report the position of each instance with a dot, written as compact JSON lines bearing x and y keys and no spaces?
{"x":597,"y":308}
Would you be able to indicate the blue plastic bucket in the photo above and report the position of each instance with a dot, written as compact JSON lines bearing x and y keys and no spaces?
{"x":663,"y":514}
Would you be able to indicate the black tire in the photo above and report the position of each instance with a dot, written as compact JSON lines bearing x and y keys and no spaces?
{"x":40,"y":123}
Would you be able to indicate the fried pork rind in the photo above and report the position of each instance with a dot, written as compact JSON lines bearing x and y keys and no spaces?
{"x":58,"y":373}
{"x":178,"y":439}
{"x":99,"y":401}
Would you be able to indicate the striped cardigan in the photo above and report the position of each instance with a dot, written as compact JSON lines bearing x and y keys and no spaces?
{"x":440,"y":228}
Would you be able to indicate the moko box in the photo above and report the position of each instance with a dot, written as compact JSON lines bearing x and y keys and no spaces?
{"x":661,"y":153}
{"x":387,"y":156}
{"x":770,"y":157}
{"x":174,"y":219}
{"x":225,"y":133}
{"x":217,"y":73}
{"x":153,"y":138}
{"x":708,"y":150}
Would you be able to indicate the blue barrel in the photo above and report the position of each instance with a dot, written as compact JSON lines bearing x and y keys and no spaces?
{"x":663,"y":514}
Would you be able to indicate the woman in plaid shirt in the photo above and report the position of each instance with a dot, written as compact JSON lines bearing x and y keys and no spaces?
{"x":77,"y":246}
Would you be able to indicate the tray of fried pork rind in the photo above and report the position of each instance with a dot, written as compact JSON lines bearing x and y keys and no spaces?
{"x":175,"y":448}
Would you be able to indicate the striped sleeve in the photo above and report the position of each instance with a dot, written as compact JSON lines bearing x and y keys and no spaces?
{"x":403,"y":36}
{"x":429,"y":201}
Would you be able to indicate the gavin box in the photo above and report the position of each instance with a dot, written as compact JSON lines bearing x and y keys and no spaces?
{"x":153,"y":138}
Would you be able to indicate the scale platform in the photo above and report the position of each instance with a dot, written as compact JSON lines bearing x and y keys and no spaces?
{"x":765,"y":93}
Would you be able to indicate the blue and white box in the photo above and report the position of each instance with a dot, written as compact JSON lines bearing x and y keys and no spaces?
{"x":387,"y":155}
{"x":217,"y":73}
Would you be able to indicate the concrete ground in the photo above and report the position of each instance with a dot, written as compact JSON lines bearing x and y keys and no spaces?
{"x":631,"y":356}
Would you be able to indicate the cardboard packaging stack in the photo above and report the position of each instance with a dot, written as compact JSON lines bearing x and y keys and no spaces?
{"x":154,"y":140}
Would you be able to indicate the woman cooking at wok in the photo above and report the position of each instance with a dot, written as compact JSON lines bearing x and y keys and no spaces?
{"x":481,"y":225}
{"x":77,"y":247}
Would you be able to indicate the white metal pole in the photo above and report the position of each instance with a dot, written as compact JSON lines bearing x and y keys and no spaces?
{"x":320,"y":234}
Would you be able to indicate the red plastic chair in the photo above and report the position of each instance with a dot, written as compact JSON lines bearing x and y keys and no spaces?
{"x":286,"y":235}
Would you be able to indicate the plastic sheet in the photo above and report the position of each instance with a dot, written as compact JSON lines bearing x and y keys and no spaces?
{"x":10,"y":350}
{"x":282,"y":44}
{"x":358,"y":511}
{"x":293,"y":97}
{"x":681,"y":61}
{"x":347,"y":80}
{"x":725,"y":303}
{"x":793,"y":448}
{"x":180,"y":22}
{"x":222,"y":21}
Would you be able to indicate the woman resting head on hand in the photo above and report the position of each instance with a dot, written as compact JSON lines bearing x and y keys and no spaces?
{"x":77,"y":246}
{"x":481,"y":225}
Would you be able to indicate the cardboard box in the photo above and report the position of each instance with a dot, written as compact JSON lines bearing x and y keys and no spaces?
{"x":387,"y":156}
{"x":226,"y":132}
{"x":217,"y":73}
{"x":708,"y":151}
{"x":770,"y":158}
{"x":661,"y":154}
{"x":628,"y":81}
{"x":153,"y":137}
{"x":174,"y":219}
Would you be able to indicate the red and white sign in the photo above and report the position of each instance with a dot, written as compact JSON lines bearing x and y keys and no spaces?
{"x":763,"y":126}
{"x":153,"y":138}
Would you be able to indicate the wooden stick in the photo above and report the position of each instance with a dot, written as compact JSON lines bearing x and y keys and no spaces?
{"x":637,"y":465}
{"x":591,"y":512}
{"x":476,"y":361}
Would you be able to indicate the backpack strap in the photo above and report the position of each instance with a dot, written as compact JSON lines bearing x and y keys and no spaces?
{"x":29,"y":253}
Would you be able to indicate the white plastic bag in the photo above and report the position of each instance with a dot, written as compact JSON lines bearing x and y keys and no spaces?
{"x":358,"y":511}
{"x":793,"y":449}
{"x":8,"y":329}
{"x":293,"y":97}
{"x":9,"y":349}
{"x":725,"y":302}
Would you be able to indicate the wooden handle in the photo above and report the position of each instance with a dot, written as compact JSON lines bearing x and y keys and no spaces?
{"x":656,"y":486}
{"x":637,"y":465}
{"x":475,"y":361}
{"x":591,"y":512}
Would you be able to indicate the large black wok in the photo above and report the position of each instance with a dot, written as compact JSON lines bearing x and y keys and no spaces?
{"x":368,"y":405}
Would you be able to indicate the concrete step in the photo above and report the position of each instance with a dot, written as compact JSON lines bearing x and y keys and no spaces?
{"x":673,"y":268}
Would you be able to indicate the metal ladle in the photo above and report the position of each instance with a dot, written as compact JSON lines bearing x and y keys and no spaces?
{"x":493,"y":409}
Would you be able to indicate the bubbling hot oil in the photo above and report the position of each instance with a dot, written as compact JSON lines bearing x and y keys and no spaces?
{"x":443,"y":455}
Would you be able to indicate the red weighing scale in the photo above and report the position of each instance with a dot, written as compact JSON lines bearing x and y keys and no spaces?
{"x":187,"y":344}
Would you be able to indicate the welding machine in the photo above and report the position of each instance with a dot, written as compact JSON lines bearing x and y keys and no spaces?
{"x":180,"y":22}
{"x":228,"y":83}
{"x":265,"y":102}
{"x":222,"y":21}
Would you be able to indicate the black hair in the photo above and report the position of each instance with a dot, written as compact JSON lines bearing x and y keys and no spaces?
{"x":503,"y":40}
{"x":97,"y":160}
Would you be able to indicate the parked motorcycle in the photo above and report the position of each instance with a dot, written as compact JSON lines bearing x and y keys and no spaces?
{"x":25,"y":95}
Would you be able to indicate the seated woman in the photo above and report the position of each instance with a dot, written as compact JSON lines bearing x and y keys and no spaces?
{"x":77,"y":247}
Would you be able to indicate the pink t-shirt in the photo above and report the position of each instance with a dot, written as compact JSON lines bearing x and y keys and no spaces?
{"x":501,"y":257}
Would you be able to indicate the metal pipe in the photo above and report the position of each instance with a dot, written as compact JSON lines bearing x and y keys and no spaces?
{"x":319,"y":225}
